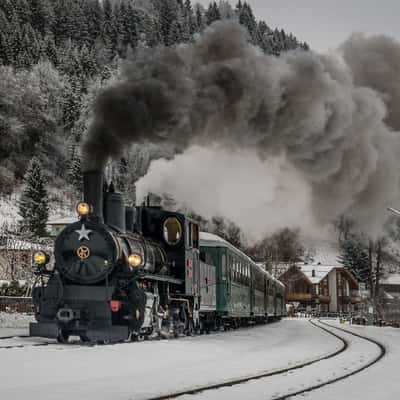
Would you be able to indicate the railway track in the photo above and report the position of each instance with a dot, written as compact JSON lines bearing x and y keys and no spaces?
{"x":259,"y":376}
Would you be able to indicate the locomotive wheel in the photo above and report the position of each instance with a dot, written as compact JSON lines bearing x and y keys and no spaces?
{"x":104,"y":341}
{"x":62,"y":336}
{"x":84,"y":338}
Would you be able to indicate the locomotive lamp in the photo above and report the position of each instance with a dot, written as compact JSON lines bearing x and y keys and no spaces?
{"x":83,"y":209}
{"x":135,"y":260}
{"x":40,"y":258}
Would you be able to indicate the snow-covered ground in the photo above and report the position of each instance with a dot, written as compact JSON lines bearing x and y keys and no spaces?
{"x":380,"y":381}
{"x":14,"y":320}
{"x":357,"y":355}
{"x":135,"y":371}
{"x":14,"y":324}
{"x":141,"y":370}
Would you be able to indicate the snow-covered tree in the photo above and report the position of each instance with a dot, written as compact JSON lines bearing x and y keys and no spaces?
{"x":212,"y":13}
{"x":33,"y":204}
{"x":354,"y":257}
{"x":75,"y":168}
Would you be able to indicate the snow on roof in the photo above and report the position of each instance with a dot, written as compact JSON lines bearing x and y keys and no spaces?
{"x":212,"y":240}
{"x":320,"y":271}
{"x":392,"y":279}
{"x":16,"y":244}
{"x":391,"y":295}
{"x":63,"y":221}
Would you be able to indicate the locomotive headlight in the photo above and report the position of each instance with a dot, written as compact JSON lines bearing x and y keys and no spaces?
{"x":135,"y":260}
{"x":40,"y":258}
{"x":83,"y":209}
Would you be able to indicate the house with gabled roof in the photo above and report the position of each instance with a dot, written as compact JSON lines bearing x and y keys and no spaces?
{"x":321,"y":288}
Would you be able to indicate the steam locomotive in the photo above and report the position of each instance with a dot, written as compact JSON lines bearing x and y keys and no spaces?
{"x":123,"y":273}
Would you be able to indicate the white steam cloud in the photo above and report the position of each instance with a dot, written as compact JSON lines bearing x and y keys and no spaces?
{"x":258,"y":195}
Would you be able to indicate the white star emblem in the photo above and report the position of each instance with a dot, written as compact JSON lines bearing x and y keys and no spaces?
{"x":83,"y":233}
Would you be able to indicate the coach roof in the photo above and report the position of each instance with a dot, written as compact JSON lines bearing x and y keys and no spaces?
{"x":211,"y":240}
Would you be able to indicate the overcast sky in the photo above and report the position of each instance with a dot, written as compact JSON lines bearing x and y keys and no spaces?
{"x":324,"y":24}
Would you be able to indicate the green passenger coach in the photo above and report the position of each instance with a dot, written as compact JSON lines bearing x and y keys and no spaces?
{"x":234,"y":289}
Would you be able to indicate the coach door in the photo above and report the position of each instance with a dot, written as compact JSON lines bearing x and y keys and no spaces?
{"x":192,"y":259}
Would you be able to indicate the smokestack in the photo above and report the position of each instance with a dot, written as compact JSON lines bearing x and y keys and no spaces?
{"x":93,"y":182}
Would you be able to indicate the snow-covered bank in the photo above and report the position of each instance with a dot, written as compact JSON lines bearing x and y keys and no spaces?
{"x":141,"y":370}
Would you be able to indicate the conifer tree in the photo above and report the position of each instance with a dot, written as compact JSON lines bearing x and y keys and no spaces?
{"x":23,"y":11}
{"x":212,"y":13}
{"x":75,"y":168}
{"x":33,"y":204}
{"x":6,"y":54}
{"x":238,"y":7}
{"x":175,"y":34}
{"x":95,"y":19}
{"x":168,"y":18}
{"x":110,"y":32}
{"x":190,"y":17}
{"x":42,"y":16}
{"x":64,"y":23}
{"x":354,"y":256}
{"x":49,"y":50}
{"x":247,"y":19}
{"x":7,"y":7}
{"x":199,"y":19}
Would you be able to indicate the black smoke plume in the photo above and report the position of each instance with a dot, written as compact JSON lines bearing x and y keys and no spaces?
{"x":332,"y":117}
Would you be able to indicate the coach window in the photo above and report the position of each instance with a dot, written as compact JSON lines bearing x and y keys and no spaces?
{"x":206,"y":257}
{"x":236,"y":269}
{"x":223,"y":266}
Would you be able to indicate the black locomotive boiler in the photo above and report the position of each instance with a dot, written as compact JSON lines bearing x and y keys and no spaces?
{"x":119,"y":272}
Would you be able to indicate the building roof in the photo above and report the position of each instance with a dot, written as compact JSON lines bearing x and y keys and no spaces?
{"x":392,"y":279}
{"x":320,"y":271}
{"x":63,"y":221}
{"x":391,"y":295}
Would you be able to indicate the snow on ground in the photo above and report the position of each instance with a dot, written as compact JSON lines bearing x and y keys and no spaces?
{"x":141,"y":370}
{"x":358,"y":354}
{"x":380,"y":381}
{"x":14,"y":320}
